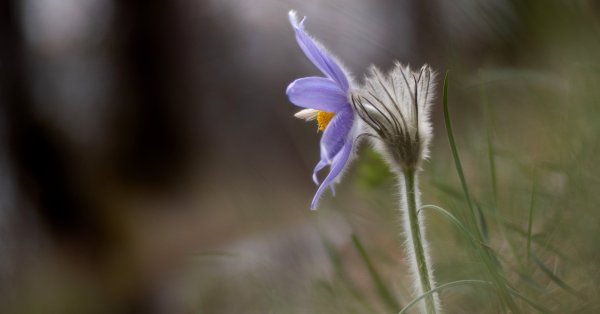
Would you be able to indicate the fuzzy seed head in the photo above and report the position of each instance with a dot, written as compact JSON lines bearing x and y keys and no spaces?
{"x":396,"y":108}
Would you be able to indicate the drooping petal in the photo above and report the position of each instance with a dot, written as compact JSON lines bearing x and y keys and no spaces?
{"x":335,"y":134}
{"x":337,"y":165}
{"x":317,"y":93}
{"x":333,"y":139}
{"x":317,"y":54}
{"x":320,"y":165}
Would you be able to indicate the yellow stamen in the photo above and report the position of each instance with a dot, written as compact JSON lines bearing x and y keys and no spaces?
{"x":323,"y":119}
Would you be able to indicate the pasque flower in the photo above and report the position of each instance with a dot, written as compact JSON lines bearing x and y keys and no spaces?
{"x":393,"y":110}
{"x":396,"y":108}
{"x":327,"y":100}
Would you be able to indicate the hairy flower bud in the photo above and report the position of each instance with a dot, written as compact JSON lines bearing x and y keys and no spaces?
{"x":396,"y":107}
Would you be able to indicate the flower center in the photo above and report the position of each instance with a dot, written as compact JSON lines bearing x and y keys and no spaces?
{"x":323,"y":119}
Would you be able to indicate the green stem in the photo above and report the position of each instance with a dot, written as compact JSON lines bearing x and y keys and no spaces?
{"x":417,"y":240}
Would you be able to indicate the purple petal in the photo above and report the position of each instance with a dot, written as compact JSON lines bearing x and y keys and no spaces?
{"x":335,"y":134}
{"x":317,"y":93}
{"x":322,"y":163}
{"x":333,"y":139}
{"x":338,"y":164}
{"x":317,"y":55}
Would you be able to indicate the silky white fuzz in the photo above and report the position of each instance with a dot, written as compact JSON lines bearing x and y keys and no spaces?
{"x":409,"y":246}
{"x":397,"y":106}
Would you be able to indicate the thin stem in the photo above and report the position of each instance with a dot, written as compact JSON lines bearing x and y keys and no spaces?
{"x":416,"y":241}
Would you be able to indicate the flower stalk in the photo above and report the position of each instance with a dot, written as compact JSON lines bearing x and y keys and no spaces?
{"x":416,"y":245}
{"x":396,"y":108}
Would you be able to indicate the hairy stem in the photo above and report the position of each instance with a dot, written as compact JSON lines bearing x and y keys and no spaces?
{"x":415,"y":244}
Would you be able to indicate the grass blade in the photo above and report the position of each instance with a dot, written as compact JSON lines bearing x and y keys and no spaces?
{"x":556,"y":279}
{"x":452,"y":219}
{"x":442,"y":287}
{"x":452,"y":142}
{"x":492,"y":265}
{"x":382,"y":289}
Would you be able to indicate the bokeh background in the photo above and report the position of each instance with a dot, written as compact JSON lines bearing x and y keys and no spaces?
{"x":150,"y":161}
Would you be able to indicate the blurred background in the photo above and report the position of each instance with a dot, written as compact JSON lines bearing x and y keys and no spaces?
{"x":150,"y":161}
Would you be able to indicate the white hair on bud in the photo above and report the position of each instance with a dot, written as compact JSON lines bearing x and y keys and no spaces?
{"x":397,"y":107}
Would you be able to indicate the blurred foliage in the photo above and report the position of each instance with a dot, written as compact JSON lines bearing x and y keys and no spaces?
{"x":525,"y":107}
{"x":371,"y":172}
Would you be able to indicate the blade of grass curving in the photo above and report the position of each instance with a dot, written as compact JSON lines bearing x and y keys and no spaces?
{"x":382,"y":290}
{"x":556,"y":279}
{"x":452,"y":142}
{"x":442,"y":287}
{"x":485,"y":254}
{"x":454,"y":220}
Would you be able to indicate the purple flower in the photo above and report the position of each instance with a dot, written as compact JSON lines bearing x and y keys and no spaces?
{"x":325,"y":99}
